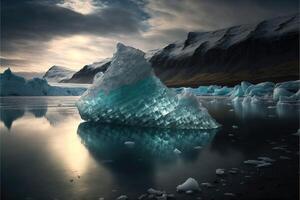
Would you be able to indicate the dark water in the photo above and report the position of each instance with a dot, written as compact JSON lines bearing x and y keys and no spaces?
{"x":48,"y":152}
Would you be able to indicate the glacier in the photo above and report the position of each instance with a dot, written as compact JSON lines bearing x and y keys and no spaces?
{"x":13,"y":85}
{"x":129,"y":93}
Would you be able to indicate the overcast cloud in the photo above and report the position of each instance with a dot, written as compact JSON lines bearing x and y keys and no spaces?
{"x":36,"y":34}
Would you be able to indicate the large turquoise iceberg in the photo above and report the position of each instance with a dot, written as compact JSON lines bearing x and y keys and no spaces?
{"x":129,"y":93}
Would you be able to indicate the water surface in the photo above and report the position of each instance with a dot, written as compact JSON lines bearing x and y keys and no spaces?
{"x":48,"y":152}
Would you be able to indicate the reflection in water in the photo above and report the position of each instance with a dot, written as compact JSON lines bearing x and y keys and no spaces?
{"x":8,"y":116}
{"x":286,"y":110}
{"x":244,"y":108}
{"x":106,"y":141}
{"x":55,"y":109}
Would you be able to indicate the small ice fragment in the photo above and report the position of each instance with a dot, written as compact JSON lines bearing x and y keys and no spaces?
{"x":271,"y":107}
{"x":267,"y":159}
{"x":284,"y":157}
{"x":189,"y":184}
{"x":142,"y":197}
{"x":230,"y":135}
{"x":177,"y":151}
{"x":283,"y":148}
{"x":189,"y":192}
{"x":198,"y":147}
{"x":234,"y":126}
{"x":129,"y":143}
{"x":220,"y":171}
{"x":253,"y":162}
{"x":265,"y":164}
{"x":122,"y":197}
{"x":229,"y":194}
{"x":155,"y":192}
{"x":231,"y":110}
{"x":209,"y":185}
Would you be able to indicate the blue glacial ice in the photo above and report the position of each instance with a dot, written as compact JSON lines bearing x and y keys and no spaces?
{"x":13,"y":85}
{"x":281,"y":92}
{"x":129,"y":93}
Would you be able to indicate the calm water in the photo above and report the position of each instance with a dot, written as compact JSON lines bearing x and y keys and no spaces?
{"x":48,"y":152}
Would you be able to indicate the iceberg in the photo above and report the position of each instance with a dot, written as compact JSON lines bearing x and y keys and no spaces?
{"x":13,"y":85}
{"x":129,"y":93}
{"x":286,"y":92}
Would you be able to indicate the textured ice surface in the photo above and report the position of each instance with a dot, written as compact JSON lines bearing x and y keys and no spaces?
{"x":129,"y":93}
{"x":108,"y":140}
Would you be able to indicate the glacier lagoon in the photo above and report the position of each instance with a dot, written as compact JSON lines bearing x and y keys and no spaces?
{"x":49,"y":152}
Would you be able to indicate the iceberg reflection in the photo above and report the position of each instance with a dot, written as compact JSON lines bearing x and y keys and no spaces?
{"x":107,"y":141}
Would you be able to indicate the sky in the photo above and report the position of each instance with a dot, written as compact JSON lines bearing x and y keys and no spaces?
{"x":37,"y":34}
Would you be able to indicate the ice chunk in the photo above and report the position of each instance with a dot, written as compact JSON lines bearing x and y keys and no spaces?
{"x":122,"y":197}
{"x":264,"y":164}
{"x":189,"y":184}
{"x":129,"y":93}
{"x":155,"y":192}
{"x":267,"y":159}
{"x":129,"y":143}
{"x":177,"y":151}
{"x":220,"y":171}
{"x":229,"y":194}
{"x":254,"y":162}
{"x":284,"y":157}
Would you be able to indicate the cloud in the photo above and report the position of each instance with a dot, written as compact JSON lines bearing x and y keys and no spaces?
{"x":42,"y":21}
{"x":36,"y":34}
{"x":80,"y":6}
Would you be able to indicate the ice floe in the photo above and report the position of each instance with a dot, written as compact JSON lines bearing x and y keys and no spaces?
{"x":189,"y":185}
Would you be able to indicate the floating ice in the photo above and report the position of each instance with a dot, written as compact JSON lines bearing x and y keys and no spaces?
{"x":189,"y":185}
{"x":13,"y":85}
{"x":284,"y":92}
{"x":155,"y":192}
{"x":177,"y":151}
{"x":220,"y":171}
{"x":122,"y":197}
{"x":267,"y":159}
{"x":129,"y":143}
{"x":129,"y":93}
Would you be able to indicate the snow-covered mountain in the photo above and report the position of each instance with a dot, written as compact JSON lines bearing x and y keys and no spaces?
{"x":58,"y":73}
{"x":267,"y":51}
{"x":87,"y":73}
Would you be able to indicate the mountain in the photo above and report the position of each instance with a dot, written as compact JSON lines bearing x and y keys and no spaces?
{"x":87,"y":73}
{"x":267,"y":51}
{"x":58,"y":73}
